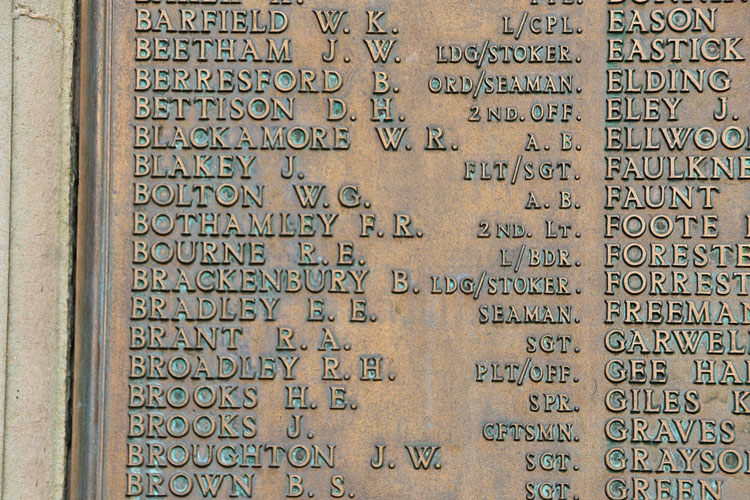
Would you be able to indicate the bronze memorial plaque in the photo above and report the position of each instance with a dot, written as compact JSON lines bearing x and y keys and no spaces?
{"x":427,"y":249}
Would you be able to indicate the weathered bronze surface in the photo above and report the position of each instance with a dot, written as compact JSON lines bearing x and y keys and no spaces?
{"x":413,"y":250}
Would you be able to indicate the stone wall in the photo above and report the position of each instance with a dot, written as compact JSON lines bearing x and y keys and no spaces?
{"x":36,"y":186}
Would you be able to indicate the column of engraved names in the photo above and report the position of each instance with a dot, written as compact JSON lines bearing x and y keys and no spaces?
{"x":520,"y":90}
{"x":237,"y":269}
{"x":676,"y":277}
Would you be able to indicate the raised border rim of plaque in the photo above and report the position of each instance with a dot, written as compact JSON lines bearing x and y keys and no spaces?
{"x":86,"y":478}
